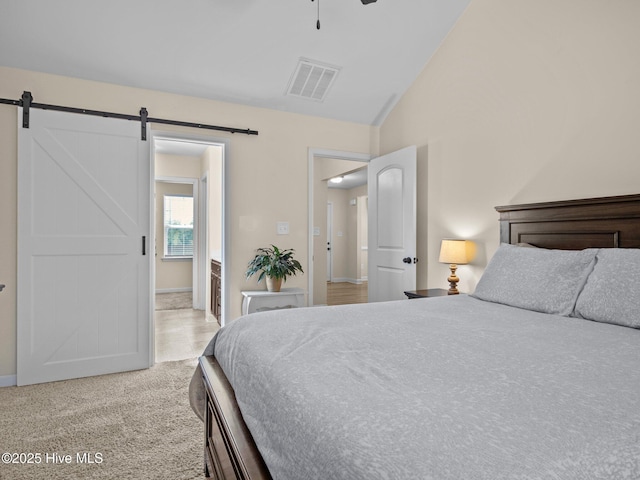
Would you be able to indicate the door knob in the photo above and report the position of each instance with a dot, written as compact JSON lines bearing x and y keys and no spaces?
{"x":406,"y":259}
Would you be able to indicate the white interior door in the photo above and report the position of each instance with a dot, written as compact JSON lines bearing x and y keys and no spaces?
{"x":392,"y":225}
{"x":83,"y":279}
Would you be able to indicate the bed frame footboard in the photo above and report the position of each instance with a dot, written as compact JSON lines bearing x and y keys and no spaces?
{"x":229,"y":452}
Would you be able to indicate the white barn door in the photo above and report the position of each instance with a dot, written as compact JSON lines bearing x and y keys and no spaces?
{"x":83,"y":280}
{"x":392,"y":225}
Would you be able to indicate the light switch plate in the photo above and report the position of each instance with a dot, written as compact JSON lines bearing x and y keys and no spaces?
{"x":282,"y":228}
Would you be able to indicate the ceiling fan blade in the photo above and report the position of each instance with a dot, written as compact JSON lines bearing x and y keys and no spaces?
{"x":367,"y":2}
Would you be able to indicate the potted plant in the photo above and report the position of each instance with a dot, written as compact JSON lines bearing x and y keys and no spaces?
{"x":274,"y":264}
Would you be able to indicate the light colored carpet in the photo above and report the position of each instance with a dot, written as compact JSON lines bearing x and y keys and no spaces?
{"x":174,"y":301}
{"x":140,"y":422}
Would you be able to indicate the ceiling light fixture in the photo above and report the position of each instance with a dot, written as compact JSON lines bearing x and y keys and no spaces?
{"x":337,"y":179}
{"x":364,"y":2}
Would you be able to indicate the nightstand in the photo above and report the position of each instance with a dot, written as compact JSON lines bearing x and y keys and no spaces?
{"x":428,"y":293}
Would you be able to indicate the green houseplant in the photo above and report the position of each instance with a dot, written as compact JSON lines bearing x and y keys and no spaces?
{"x":274,"y":264}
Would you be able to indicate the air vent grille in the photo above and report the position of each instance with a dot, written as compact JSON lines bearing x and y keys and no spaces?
{"x":312,"y":80}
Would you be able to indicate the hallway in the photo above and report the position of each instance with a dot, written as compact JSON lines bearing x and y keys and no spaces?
{"x":344,"y":293}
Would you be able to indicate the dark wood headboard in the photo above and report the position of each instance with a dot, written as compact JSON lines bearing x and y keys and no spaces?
{"x":574,"y":224}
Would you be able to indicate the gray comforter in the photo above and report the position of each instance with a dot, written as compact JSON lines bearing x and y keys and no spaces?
{"x":441,"y":388}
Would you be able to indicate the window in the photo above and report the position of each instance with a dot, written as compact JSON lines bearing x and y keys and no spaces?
{"x":178,"y":226}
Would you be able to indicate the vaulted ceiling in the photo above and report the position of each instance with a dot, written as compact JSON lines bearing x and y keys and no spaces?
{"x":241,"y":51}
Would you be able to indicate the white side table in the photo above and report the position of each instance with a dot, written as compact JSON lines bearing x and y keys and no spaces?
{"x":262,"y":300}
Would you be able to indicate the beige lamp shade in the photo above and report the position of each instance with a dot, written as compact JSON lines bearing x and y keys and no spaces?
{"x":457,"y":252}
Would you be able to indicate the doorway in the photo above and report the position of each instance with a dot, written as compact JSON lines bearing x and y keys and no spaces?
{"x":323,"y":165}
{"x":391,"y":227}
{"x":347,"y":237}
{"x":189,"y":234}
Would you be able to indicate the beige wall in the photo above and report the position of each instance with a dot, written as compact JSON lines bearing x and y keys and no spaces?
{"x":359,"y":224}
{"x":171,"y":275}
{"x":212,"y":165}
{"x":255,"y":202}
{"x":338,"y":197}
{"x":356,"y":233}
{"x":8,"y":236}
{"x":184,"y":166}
{"x":525,"y":101}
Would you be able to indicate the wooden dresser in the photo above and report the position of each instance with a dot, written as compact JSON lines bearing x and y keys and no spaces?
{"x":216,"y":289}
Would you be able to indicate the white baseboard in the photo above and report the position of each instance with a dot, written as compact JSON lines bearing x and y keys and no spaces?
{"x":8,"y":381}
{"x":347,"y":280}
{"x":173,"y":290}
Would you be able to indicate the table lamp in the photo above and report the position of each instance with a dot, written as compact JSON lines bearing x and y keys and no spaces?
{"x":455,"y":252}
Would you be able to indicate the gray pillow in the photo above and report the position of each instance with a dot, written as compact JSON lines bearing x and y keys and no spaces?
{"x":538,"y":279}
{"x":612,"y":291}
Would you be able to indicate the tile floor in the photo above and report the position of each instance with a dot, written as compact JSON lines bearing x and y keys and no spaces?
{"x":182,"y":334}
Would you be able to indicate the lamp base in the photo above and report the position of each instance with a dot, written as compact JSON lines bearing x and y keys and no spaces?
{"x":453,"y":280}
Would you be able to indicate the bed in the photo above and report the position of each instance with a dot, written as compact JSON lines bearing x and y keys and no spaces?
{"x":535,"y":375}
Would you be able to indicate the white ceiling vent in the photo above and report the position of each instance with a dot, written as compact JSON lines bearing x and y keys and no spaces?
{"x":312,"y":80}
